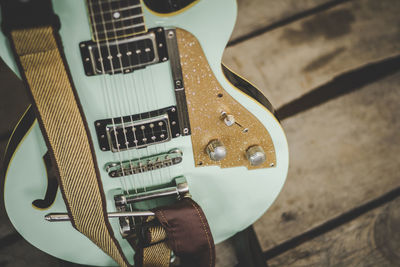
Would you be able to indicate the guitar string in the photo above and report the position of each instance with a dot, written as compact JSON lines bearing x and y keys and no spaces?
{"x":155,"y":98}
{"x":139,"y":61}
{"x":119,"y":113}
{"x":143,"y":84}
{"x":142,"y":175}
{"x":128,"y":108}
{"x":120,"y":108}
{"x":152,"y":95}
{"x":145,"y":107}
{"x":153,"y":147}
{"x":131,"y":176}
{"x":116,"y":96}
{"x":114,"y":113}
{"x":139,"y":111}
{"x":104,"y":86}
{"x":153,"y":91}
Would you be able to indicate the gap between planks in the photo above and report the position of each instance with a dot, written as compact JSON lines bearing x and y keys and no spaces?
{"x":341,"y":85}
{"x":332,"y":224}
{"x":286,"y":21}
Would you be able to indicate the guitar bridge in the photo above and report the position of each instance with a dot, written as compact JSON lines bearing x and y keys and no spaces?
{"x":145,"y":164}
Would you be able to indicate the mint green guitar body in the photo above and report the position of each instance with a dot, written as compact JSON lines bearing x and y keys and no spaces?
{"x":232,"y":198}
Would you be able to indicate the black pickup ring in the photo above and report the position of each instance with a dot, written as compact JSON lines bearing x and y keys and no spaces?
{"x":138,"y":131}
{"x":124,"y":55}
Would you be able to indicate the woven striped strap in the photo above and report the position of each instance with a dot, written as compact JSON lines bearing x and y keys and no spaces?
{"x":154,"y":251}
{"x":159,"y":254}
{"x":65,"y":131}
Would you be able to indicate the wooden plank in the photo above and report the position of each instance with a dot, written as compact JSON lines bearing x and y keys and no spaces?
{"x":256,"y":14}
{"x":287,"y":62}
{"x":373,"y":239}
{"x":354,"y":168}
{"x":342,"y":154}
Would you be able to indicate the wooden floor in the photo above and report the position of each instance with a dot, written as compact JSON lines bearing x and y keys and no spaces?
{"x":332,"y":70}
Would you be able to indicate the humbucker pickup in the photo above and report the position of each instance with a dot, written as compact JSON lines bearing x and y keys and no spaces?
{"x":138,"y":131}
{"x":125,"y":55}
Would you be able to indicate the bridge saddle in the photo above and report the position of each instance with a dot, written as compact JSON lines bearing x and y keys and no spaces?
{"x":144,"y":164}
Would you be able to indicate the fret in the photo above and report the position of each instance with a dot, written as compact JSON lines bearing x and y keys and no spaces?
{"x":121,"y":34}
{"x":115,"y":3}
{"x":115,"y":19}
{"x":118,"y":25}
{"x":107,"y":10}
{"x":141,"y":25}
{"x":105,"y":5}
{"x":119,"y":19}
{"x":116,"y":16}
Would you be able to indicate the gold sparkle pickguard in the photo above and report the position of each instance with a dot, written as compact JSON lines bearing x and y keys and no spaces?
{"x":206,"y":99}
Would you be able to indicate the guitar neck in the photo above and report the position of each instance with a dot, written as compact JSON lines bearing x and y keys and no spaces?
{"x":111,"y":19}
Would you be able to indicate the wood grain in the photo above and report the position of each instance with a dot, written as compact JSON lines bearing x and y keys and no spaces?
{"x":256,"y":14}
{"x":373,"y":239}
{"x":343,"y":154}
{"x":287,"y":62}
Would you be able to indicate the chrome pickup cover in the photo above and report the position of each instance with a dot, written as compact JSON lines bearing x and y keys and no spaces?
{"x":137,"y":131}
{"x":145,"y":164}
{"x":124,"y":55}
{"x":137,"y":134}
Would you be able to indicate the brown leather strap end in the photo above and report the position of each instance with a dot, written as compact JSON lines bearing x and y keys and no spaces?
{"x":188,"y":233}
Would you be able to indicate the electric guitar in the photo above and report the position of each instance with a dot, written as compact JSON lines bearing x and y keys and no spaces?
{"x":164,"y":115}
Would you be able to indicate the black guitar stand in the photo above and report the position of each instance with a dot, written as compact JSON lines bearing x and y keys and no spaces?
{"x":247,"y":248}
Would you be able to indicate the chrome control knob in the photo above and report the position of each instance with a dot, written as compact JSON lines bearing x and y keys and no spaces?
{"x":216,"y":150}
{"x":256,"y":155}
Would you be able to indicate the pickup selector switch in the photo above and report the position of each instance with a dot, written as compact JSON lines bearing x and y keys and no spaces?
{"x":255,"y":155}
{"x":216,"y":150}
{"x":229,"y":119}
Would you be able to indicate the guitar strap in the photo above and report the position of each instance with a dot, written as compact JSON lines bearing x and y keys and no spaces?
{"x":32,"y":28}
{"x":181,"y":227}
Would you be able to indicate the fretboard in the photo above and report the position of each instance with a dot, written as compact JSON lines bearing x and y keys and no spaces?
{"x":115,"y":19}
